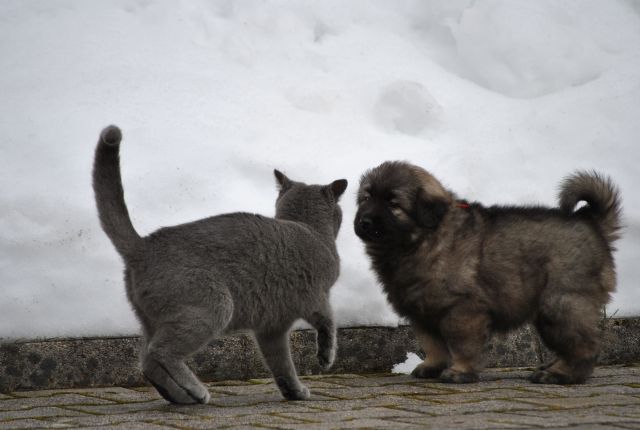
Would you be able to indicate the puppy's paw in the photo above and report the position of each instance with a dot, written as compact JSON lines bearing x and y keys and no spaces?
{"x":545,"y":366}
{"x":454,"y":377}
{"x":427,"y":372}
{"x":326,"y":358}
{"x":547,"y":377}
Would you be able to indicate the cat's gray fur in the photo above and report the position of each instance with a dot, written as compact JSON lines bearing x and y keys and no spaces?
{"x":196,"y":281}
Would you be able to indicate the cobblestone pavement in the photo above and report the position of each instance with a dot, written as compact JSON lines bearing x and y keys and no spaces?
{"x":503,"y":399}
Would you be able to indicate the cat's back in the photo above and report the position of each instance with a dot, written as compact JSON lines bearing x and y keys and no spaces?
{"x":241,"y":239}
{"x":231,"y":230}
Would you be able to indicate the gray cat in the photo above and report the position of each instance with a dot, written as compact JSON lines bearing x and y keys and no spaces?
{"x":197,"y":281}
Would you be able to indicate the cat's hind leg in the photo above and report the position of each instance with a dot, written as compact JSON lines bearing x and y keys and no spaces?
{"x":180,"y":334}
{"x":276,"y":353}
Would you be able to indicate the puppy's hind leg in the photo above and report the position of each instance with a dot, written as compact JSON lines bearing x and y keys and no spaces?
{"x":437,"y":355}
{"x":568,"y":325}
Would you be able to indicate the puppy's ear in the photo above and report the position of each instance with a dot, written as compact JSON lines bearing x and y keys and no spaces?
{"x":283,"y":182}
{"x":337,"y":188}
{"x":430,"y":210}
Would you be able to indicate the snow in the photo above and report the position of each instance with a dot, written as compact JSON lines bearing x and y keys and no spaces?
{"x":499,"y":99}
{"x":407,"y":366}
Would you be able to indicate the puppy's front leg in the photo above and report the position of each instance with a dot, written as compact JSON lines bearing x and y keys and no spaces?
{"x":466,"y":331}
{"x":437,"y":355}
{"x":322,"y":321}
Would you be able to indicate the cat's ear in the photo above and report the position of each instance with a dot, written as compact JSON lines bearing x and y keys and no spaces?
{"x":283,"y":182}
{"x":337,"y":188}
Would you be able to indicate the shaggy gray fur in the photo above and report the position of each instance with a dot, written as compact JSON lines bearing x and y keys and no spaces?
{"x":196,"y":281}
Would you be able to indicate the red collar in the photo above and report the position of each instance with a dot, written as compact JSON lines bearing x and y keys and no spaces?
{"x":463,"y":205}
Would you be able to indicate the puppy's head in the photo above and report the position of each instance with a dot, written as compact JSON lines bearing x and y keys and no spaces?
{"x":397,"y":201}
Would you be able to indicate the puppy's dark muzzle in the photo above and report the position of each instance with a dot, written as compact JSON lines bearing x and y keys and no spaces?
{"x":366,"y":229}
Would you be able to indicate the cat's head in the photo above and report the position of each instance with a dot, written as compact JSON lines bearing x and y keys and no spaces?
{"x":315,"y":205}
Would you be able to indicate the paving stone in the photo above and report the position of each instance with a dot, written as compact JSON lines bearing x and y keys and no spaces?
{"x":365,"y":423}
{"x":616,"y":379}
{"x":581,"y":416}
{"x":269,"y":389}
{"x":212,"y":411}
{"x":117,"y":394}
{"x":123,"y":408}
{"x":482,"y":420}
{"x":582,"y":390}
{"x":37,"y":413}
{"x":614,"y":370}
{"x":582,"y":402}
{"x":488,"y":394}
{"x":253,"y":421}
{"x":254,"y":399}
{"x":243,"y":390}
{"x":233,"y":383}
{"x":635,"y":425}
{"x":30,"y":423}
{"x":133,"y":426}
{"x":487,"y":381}
{"x":58,"y":399}
{"x":351,"y":414}
{"x":388,"y":401}
{"x":344,"y":376}
{"x":373,"y":381}
{"x":366,"y":392}
{"x":502,"y":400}
{"x":607,"y":426}
{"x":60,"y":391}
{"x":126,"y":395}
{"x":88,"y":420}
{"x":454,"y":408}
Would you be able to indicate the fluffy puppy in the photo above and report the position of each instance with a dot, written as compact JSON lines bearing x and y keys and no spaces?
{"x":460,"y":271}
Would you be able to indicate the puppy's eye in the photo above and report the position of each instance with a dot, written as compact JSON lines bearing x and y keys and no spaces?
{"x":394,"y":205}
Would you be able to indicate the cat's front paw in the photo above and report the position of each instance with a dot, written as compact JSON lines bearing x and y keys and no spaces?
{"x":302,"y":394}
{"x":326,"y":358}
{"x":292,"y":391}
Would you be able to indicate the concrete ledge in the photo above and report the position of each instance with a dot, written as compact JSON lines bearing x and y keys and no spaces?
{"x":93,"y":362}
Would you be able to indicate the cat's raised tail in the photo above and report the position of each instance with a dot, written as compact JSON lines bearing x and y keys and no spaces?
{"x":107,"y":187}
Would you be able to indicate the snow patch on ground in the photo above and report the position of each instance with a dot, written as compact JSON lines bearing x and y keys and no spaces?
{"x":407,"y":366}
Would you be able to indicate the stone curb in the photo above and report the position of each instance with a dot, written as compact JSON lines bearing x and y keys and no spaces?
{"x":95,"y":362}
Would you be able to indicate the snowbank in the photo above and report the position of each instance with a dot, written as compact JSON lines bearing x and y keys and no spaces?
{"x":499,"y":99}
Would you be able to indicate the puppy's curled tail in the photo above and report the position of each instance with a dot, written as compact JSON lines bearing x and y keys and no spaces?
{"x":107,"y":187}
{"x":601,"y":195}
